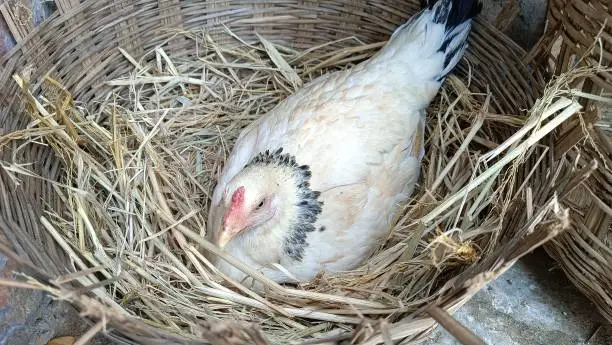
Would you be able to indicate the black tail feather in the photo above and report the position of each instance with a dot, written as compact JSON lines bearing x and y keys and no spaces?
{"x":452,"y":13}
{"x":455,"y":16}
{"x":460,"y":11}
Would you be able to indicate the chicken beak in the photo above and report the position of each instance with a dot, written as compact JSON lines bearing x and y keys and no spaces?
{"x":229,"y":232}
{"x":224,"y":239}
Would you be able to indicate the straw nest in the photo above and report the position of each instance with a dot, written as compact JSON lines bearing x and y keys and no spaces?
{"x":579,"y":35}
{"x":118,"y":189}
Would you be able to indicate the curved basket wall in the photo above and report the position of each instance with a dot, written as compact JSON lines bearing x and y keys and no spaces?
{"x":78,"y":44}
{"x":585,"y":250}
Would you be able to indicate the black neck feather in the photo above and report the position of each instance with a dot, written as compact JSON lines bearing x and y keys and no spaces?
{"x":308,"y":205}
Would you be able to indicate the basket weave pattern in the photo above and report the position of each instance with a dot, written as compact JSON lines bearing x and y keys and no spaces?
{"x":585,"y":250}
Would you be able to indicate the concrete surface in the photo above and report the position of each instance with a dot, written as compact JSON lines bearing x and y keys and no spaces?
{"x":531,"y":304}
{"x":29,"y":317}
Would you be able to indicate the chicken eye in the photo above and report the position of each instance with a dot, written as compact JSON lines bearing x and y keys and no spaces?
{"x":260,"y":205}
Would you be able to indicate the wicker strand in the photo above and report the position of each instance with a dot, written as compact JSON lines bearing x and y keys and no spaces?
{"x":580,"y":34}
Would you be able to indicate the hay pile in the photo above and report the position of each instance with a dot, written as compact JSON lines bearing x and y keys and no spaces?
{"x":141,"y":163}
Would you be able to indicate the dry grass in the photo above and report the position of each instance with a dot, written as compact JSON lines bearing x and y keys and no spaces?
{"x":140,"y":166}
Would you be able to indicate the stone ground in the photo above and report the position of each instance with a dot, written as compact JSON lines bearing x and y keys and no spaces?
{"x":533,"y":303}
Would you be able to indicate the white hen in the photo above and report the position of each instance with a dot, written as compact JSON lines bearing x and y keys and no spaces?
{"x":314,"y":184}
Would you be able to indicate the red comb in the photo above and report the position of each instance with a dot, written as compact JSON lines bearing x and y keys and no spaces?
{"x":237,"y":201}
{"x":238,"y":197}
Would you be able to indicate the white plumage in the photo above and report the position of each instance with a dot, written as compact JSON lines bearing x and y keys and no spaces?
{"x":352,"y":144}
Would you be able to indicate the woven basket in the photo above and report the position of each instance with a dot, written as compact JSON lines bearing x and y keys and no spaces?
{"x":585,"y":251}
{"x":78,"y":44}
